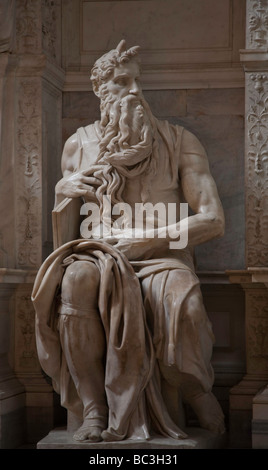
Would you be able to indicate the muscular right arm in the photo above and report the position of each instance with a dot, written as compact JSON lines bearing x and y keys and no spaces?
{"x":74,"y":183}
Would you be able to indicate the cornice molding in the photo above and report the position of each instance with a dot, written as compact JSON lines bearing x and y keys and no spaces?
{"x":152,"y":79}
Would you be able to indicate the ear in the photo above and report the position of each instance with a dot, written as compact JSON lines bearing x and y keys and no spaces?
{"x":121,"y":47}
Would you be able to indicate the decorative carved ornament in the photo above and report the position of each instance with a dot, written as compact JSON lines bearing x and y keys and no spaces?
{"x":257,"y":24}
{"x":257,"y":169}
{"x":29,"y":195}
{"x":49,"y":27}
{"x":36,"y":27}
{"x":27,"y":26}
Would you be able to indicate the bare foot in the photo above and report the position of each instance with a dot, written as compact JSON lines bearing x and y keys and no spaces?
{"x":209,"y":412}
{"x":88,"y":432}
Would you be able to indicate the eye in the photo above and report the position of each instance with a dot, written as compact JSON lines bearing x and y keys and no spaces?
{"x":121,"y":81}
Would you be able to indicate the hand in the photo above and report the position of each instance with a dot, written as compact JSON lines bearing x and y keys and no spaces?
{"x":79,"y":184}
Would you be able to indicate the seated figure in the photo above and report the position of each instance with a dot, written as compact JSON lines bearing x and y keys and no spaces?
{"x":118,"y":312}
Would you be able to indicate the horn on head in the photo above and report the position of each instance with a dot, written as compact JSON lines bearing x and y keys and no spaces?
{"x":121,"y":46}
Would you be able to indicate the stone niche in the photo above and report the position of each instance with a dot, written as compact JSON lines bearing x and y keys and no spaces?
{"x":191,"y":76}
{"x":195,"y":80}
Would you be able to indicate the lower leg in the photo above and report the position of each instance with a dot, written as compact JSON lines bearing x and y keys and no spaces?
{"x":205,"y":406}
{"x":203,"y":403}
{"x":83,"y":347}
{"x":83,"y":344}
{"x":193,"y":358}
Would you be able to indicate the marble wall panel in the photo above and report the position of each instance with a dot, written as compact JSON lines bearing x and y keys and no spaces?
{"x":145,"y":19}
{"x":222,"y":137}
{"x":216,"y":102}
{"x":162,"y":29}
{"x":80,"y":105}
{"x":196,"y":42}
{"x":216,"y":118}
{"x":167,"y":102}
{"x":225,"y":308}
{"x":79,"y":109}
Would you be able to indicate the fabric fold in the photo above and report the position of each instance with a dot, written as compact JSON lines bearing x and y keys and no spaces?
{"x":130,"y":359}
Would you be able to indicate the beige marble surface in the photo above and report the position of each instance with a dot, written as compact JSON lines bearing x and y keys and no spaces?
{"x":198,"y":439}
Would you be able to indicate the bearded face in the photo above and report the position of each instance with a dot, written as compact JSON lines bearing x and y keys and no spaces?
{"x":126,"y":131}
{"x":124,"y":121}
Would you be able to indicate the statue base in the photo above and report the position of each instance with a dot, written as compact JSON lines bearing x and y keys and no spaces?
{"x":198,"y":439}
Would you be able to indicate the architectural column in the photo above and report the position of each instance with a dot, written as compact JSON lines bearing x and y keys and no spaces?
{"x":31,"y":83}
{"x":255,"y":277}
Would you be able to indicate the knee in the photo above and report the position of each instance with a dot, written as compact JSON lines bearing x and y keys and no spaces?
{"x":80,"y":278}
{"x":81,"y":272}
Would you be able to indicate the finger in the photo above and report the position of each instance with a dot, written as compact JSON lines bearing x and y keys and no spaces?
{"x":81,"y":192}
{"x":91,"y":170}
{"x":91,"y":180}
{"x":87,"y":187}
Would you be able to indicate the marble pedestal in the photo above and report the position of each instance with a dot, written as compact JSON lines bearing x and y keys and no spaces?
{"x":260,"y":420}
{"x":198,"y":439}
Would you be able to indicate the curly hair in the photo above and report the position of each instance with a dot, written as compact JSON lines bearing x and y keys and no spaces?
{"x":105,"y":65}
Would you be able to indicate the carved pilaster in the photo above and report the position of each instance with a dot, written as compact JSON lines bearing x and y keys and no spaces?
{"x":51,"y":20}
{"x":255,"y":63}
{"x":38,"y":28}
{"x":256,"y":168}
{"x":28,"y":174}
{"x":257,"y":24}
{"x":28,"y":34}
{"x":254,"y":279}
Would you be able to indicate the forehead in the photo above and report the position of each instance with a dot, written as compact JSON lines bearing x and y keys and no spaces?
{"x":130,"y":68}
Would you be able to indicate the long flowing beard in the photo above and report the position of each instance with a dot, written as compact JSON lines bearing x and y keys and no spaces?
{"x":126,"y":146}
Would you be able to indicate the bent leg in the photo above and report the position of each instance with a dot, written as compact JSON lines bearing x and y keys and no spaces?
{"x":196,"y":326}
{"x":187,"y":340}
{"x":83,"y":344}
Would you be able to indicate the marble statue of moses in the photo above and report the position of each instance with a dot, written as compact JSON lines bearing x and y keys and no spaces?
{"x":116,"y":313}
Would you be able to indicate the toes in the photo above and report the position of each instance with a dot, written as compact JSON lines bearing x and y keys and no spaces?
{"x":79,"y":436}
{"x":215,"y":425}
{"x":88,"y":434}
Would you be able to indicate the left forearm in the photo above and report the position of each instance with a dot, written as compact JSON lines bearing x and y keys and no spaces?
{"x":198,"y":228}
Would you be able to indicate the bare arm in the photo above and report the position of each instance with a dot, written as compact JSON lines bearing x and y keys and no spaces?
{"x":74,"y":183}
{"x":200,"y":192}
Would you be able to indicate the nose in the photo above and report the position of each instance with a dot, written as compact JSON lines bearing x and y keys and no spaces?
{"x":134,"y":89}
